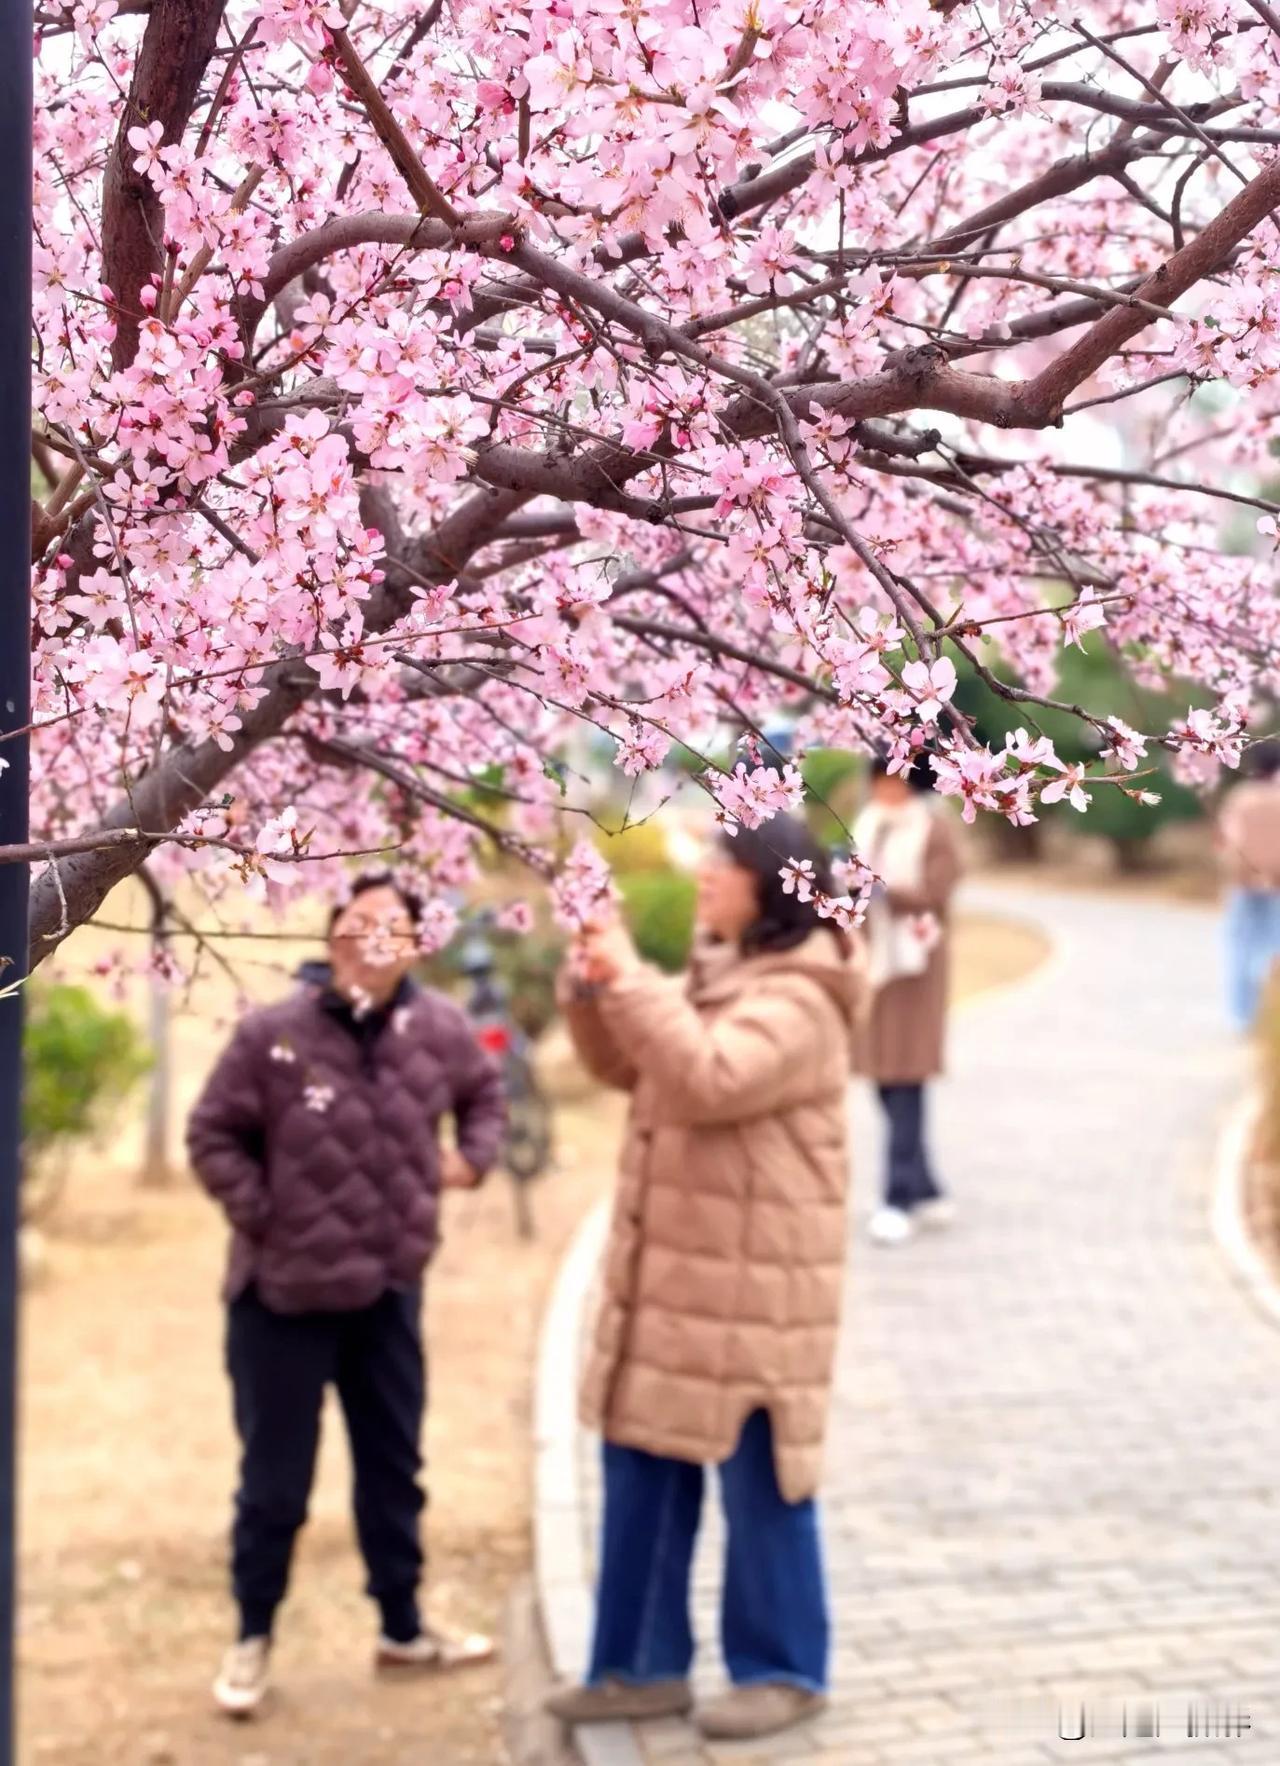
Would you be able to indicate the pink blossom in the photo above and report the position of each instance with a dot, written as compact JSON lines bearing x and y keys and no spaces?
{"x":974,"y":775}
{"x":1068,"y":788}
{"x":1028,"y":751}
{"x":583,"y":890}
{"x":278,"y":840}
{"x":1126,"y":746}
{"x":1010,"y":90}
{"x":437,"y":927}
{"x":1204,"y":732}
{"x":1084,"y":615}
{"x":488,"y":529}
{"x":931,"y":685}
{"x":642,"y":750}
{"x":797,"y":878}
{"x":749,"y":798}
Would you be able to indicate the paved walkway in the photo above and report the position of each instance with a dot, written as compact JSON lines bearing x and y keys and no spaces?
{"x":1056,"y":1439}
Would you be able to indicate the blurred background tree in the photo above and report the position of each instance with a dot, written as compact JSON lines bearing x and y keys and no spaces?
{"x":81,"y":1063}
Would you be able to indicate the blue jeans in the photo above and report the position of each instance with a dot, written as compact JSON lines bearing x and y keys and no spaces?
{"x":909,"y":1178}
{"x":1253,"y":944}
{"x":773,"y":1609}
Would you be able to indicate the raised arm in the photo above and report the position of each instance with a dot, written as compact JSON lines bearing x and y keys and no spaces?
{"x":753,"y":1058}
{"x":593,"y":1041}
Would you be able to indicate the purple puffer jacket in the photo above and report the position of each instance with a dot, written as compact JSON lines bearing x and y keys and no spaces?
{"x":320,"y":1139}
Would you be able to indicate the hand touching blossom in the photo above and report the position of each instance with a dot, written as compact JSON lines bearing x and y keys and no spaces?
{"x":601,"y":954}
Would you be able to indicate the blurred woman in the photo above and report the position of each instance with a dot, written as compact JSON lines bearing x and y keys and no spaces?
{"x":908,"y":842}
{"x":716,"y":1334}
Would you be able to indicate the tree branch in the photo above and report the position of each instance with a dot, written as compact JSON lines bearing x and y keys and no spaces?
{"x":420,"y":184}
{"x":170,"y":791}
{"x":177,"y":45}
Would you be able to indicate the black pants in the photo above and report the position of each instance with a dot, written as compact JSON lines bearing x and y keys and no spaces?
{"x":279,"y":1367}
{"x":908,"y":1179}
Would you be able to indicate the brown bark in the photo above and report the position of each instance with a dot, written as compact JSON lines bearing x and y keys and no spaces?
{"x":1046,"y":395}
{"x":179,"y":39}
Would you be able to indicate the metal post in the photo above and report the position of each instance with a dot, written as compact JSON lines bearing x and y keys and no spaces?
{"x":15,"y":698}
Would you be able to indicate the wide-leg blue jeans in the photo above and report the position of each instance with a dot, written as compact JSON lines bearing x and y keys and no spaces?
{"x":773,"y":1613}
{"x":1253,"y":945}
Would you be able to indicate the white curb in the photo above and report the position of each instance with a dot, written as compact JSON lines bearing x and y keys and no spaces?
{"x":559,"y":1550}
{"x":1229,"y":1214}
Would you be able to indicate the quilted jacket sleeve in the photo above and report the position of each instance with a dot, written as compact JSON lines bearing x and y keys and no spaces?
{"x":479,"y":1099}
{"x":755,"y":1057}
{"x":592,"y":1039}
{"x":226,"y":1133}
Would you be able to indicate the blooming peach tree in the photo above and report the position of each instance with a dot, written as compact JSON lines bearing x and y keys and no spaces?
{"x":419,"y":384}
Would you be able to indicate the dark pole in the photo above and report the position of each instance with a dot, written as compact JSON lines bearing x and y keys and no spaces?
{"x":15,"y":699}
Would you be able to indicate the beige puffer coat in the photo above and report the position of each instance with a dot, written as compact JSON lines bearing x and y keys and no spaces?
{"x":722,"y":1282}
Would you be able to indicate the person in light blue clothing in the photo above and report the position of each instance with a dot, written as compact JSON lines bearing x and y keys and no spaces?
{"x":1248,"y":837}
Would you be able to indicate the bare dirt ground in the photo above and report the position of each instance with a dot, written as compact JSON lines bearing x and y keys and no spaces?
{"x":128,"y":1461}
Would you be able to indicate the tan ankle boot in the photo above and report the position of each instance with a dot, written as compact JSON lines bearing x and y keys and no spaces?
{"x":613,"y":1701}
{"x":748,"y":1711}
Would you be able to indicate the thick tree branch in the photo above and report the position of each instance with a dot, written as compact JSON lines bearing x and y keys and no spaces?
{"x":421,"y":186}
{"x":1197,"y":259}
{"x":345,"y":232}
{"x":179,"y":40}
{"x":1061,"y":179}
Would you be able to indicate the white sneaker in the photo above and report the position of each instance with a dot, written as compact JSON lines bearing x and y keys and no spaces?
{"x":436,"y":1647}
{"x":890,"y":1226}
{"x":243,"y":1680}
{"x":940,"y":1211}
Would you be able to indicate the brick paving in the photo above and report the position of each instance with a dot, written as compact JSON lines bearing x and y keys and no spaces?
{"x":1056,"y":1433}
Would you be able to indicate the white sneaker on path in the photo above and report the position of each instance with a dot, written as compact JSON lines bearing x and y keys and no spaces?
{"x":243,"y":1679}
{"x":436,"y":1647}
{"x":890,"y":1226}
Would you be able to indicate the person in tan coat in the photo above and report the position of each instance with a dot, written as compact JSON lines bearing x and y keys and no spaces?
{"x":907,"y":840}
{"x":716,"y":1330}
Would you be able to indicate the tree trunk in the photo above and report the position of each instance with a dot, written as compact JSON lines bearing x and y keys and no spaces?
{"x":180,"y":38}
{"x":156,"y":1170}
{"x":1132,"y":856}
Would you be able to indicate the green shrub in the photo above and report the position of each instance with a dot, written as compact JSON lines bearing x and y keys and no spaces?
{"x":658,"y":906}
{"x":81,"y":1061}
{"x":831,"y":777}
{"x":639,"y":848}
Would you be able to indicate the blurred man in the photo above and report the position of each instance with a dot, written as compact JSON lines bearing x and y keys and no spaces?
{"x":319,"y":1134}
{"x":1249,"y":841}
